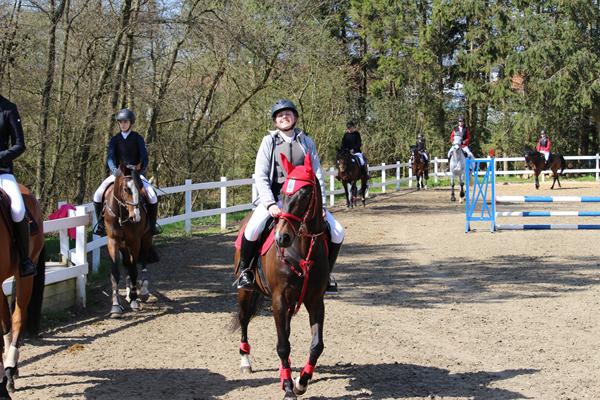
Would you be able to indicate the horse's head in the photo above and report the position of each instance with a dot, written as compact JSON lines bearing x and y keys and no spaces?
{"x":531,"y":157}
{"x":301,"y":202}
{"x":343,"y":159}
{"x":128,"y":190}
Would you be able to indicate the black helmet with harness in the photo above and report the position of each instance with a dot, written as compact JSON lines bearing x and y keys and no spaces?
{"x":125,"y":115}
{"x":283,"y":104}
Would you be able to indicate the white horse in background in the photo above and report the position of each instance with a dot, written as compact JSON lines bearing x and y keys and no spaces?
{"x":457,"y":168}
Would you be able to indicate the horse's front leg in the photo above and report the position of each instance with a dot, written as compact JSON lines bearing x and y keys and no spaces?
{"x":354,"y":193}
{"x":132,"y":295}
{"x":283,"y":317}
{"x":452,"y":196}
{"x":345,"y":185}
{"x":316,"y":312}
{"x":116,"y":309}
{"x":24,"y":287}
{"x":144,"y":283}
{"x":537,"y":182}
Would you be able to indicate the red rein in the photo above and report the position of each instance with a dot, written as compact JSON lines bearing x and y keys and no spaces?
{"x":306,"y":263}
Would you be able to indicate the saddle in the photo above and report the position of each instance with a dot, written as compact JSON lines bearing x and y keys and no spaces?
{"x":5,"y":203}
{"x":266,"y":240}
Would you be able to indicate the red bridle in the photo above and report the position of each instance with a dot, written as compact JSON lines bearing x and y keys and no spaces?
{"x":305,"y":263}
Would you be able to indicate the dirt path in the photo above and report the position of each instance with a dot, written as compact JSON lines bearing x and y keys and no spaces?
{"x":426,"y":311}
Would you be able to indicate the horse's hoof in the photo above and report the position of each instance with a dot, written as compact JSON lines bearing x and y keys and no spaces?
{"x":298,"y":388}
{"x":11,"y":373}
{"x":246,"y":370}
{"x":452,"y":198}
{"x":116,"y":311}
{"x":144,"y":292}
{"x":290,"y":396}
{"x":135,"y":306}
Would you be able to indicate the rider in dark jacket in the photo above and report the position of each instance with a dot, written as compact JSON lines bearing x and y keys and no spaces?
{"x":12,"y":145}
{"x":127,"y":148}
{"x":353,"y":142}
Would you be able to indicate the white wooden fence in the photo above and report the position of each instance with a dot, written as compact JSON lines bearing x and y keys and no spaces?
{"x":388,"y":179}
{"x":74,"y":261}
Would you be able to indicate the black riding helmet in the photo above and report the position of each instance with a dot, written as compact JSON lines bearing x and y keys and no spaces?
{"x":350,"y":124}
{"x":283,"y":104}
{"x":461,"y":119}
{"x":126,"y":115}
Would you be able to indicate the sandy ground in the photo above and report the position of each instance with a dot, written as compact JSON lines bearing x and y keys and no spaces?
{"x":425,"y":311}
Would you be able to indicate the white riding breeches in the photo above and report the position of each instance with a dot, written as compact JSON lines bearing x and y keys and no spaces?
{"x":361,"y":159}
{"x":259,"y":218}
{"x":152,"y":197}
{"x":466,"y":150}
{"x":546,"y":154}
{"x":9,"y":184}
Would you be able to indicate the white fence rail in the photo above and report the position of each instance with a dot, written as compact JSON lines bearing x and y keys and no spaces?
{"x":438,"y":165}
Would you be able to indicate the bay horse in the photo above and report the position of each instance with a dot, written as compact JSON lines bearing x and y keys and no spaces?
{"x":349,"y":172}
{"x":128,"y":234}
{"x":28,"y":292}
{"x":537,"y":162}
{"x":295,"y":270}
{"x":457,"y":168}
{"x":419,"y":167}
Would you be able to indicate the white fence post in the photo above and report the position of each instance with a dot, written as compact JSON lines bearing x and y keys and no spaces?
{"x":223,"y":204}
{"x":96,"y":251}
{"x":254,"y":189}
{"x":331,"y":187}
{"x":597,"y":165}
{"x":188,"y":206}
{"x":80,"y":257}
{"x":410,"y":172}
{"x":397,"y":175}
{"x":435,"y":170}
{"x":382,"y":177}
{"x":64,"y":239}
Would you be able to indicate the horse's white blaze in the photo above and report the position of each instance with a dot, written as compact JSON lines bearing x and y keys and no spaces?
{"x":11,"y":357}
{"x":245,"y":362}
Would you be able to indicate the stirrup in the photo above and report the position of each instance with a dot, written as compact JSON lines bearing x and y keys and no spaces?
{"x":248,"y":282}
{"x":332,"y":286}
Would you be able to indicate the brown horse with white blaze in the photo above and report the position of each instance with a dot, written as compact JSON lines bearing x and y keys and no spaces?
{"x":28,"y":291}
{"x":129,"y":235}
{"x":295,"y":271}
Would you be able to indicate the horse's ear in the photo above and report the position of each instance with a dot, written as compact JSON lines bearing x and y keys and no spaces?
{"x":138,"y":167}
{"x":308,"y":164}
{"x":287,"y":166}
{"x":123,"y":168}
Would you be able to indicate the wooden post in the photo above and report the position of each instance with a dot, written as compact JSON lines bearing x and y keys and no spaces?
{"x":188,"y":206}
{"x":80,"y":257}
{"x":331,"y":187}
{"x":223,"y":204}
{"x":382,"y":177}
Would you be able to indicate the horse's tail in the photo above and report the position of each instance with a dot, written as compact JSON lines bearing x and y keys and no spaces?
{"x":563,"y":163}
{"x":34,"y":310}
{"x":253,"y":309}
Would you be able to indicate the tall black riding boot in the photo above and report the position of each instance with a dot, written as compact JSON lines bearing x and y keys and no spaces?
{"x":334,"y":250}
{"x":152,"y":212}
{"x":100,"y":228}
{"x":247,"y":253}
{"x":26,"y":266}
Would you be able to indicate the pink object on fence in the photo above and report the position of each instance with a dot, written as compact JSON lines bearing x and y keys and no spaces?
{"x":63,"y":212}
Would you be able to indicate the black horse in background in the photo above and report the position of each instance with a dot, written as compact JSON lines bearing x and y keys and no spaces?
{"x":536,"y":161}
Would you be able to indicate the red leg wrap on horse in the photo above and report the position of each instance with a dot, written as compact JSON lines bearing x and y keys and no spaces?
{"x":308,"y":370}
{"x":245,"y":347}
{"x":285,"y":374}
